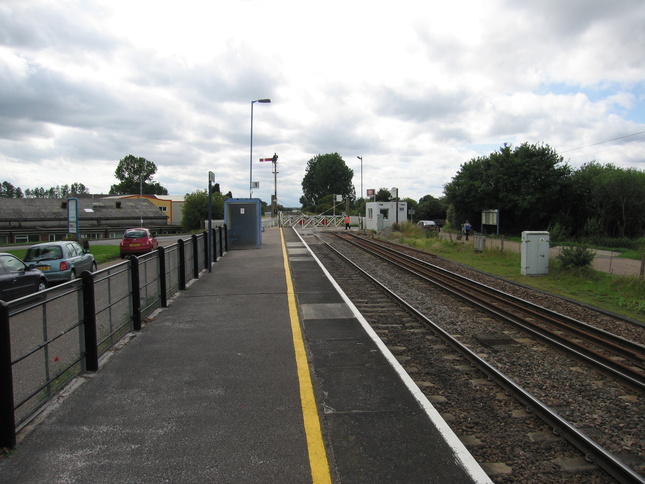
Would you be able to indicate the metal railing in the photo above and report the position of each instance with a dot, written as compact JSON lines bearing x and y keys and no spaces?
{"x":50,"y":337}
{"x":312,"y":221}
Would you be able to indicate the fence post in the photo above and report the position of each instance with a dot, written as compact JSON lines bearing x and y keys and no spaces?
{"x":7,"y":416}
{"x":207,"y":251}
{"x":163,"y":298}
{"x":214,"y":231}
{"x":195,"y":258}
{"x":89,"y":323}
{"x":225,"y":238}
{"x":182,"y":265}
{"x":221,"y":241}
{"x":136,"y":293}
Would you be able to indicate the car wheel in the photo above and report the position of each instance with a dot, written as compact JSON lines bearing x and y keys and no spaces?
{"x":94,"y":267}
{"x":72,"y":276}
{"x":41,"y":286}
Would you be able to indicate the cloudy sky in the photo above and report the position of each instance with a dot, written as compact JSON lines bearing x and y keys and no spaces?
{"x":415,"y":87}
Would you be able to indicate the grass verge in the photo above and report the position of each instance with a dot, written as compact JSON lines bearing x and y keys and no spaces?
{"x":101,"y":253}
{"x":624,"y":295}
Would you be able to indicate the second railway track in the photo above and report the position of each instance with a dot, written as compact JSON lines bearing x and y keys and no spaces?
{"x":424,"y":352}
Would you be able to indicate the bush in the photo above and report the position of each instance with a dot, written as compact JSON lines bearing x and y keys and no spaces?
{"x":577,"y":257}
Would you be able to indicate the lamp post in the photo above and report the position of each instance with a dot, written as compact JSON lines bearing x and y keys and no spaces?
{"x":140,"y":197}
{"x":263,"y":101}
{"x":361,"y":158}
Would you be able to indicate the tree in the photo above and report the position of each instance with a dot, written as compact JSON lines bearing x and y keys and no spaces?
{"x":195,"y":209}
{"x":430,"y":208}
{"x":608,"y":201}
{"x":383,"y":195}
{"x":528,"y":184}
{"x":326,"y":175}
{"x":7,"y":190}
{"x":135,"y":175}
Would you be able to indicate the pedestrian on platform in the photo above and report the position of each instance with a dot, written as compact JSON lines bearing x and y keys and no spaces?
{"x":347,"y":222}
{"x":467,"y":228}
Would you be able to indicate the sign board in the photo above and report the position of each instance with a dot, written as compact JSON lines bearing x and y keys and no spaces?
{"x":490,"y":217}
{"x":339,"y":198}
{"x":371,"y":192}
{"x":255,"y":185}
{"x":72,"y":216}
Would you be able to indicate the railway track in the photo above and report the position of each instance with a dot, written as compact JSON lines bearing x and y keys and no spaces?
{"x":414,"y":321}
{"x":607,"y":352}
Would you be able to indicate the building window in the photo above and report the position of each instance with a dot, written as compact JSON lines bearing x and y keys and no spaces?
{"x":163,"y":209}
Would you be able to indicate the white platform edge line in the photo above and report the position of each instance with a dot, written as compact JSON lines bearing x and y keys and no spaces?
{"x":462,"y":453}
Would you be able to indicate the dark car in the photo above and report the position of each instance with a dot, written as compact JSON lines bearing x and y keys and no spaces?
{"x":60,"y":261}
{"x":17,"y":279}
{"x":137,"y":241}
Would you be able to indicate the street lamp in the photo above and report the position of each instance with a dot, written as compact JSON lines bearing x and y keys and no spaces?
{"x":361,"y":158}
{"x":263,"y":101}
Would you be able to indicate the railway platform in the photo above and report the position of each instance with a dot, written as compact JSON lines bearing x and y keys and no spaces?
{"x":261,"y":371}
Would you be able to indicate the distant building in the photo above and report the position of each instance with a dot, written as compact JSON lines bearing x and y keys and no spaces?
{"x":170,"y":205}
{"x":32,"y":220}
{"x":381,"y":215}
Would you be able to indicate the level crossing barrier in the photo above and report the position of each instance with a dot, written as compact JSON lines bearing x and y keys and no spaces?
{"x":312,"y":221}
{"x":48,"y":338}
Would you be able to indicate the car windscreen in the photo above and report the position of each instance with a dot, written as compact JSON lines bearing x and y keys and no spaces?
{"x":44,"y":253}
{"x":135,"y":234}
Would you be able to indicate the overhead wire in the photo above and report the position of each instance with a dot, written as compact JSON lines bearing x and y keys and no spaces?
{"x":602,"y":142}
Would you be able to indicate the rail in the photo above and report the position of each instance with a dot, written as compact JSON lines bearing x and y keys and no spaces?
{"x":48,"y":338}
{"x":592,"y":451}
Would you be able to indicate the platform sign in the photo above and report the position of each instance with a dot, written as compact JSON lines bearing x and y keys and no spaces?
{"x":72,"y":216}
{"x":490,"y":217}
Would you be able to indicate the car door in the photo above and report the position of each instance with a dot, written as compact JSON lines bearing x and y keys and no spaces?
{"x":75,"y":257}
{"x":85,"y":259}
{"x":6,"y":282}
{"x":16,"y":282}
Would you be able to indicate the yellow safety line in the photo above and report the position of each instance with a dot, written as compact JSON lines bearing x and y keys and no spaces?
{"x":315,"y":446}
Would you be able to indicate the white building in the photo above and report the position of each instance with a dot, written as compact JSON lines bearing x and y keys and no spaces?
{"x":381,"y":215}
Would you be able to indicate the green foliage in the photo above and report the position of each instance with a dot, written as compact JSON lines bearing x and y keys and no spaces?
{"x":609,"y":201}
{"x":526,"y":183}
{"x":430,"y":208}
{"x":575,"y":258}
{"x":326,"y":175}
{"x":383,"y":195}
{"x":135,"y":175}
{"x":195,"y":209}
{"x":558,"y":234}
{"x":7,"y":190}
{"x":622,"y":295}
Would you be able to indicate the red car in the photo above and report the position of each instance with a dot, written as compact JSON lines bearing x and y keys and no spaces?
{"x":137,"y":242}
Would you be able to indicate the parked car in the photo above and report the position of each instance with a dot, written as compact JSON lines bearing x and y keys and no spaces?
{"x":60,"y":261}
{"x":17,"y":279}
{"x":137,"y":241}
{"x":427,"y":225}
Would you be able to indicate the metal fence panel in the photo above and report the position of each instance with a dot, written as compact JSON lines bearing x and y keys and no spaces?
{"x":47,"y":328}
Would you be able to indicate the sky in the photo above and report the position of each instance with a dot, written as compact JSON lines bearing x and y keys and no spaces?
{"x":415,"y":87}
